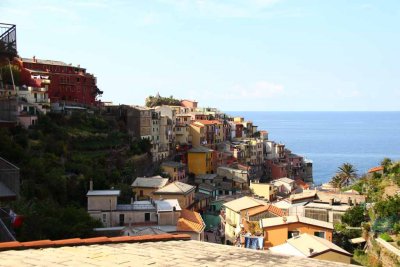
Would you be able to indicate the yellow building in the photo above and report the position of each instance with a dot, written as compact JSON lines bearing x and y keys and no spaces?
{"x":268,"y":191}
{"x":200,"y":160}
{"x":143,"y":187}
{"x":184,"y":193}
{"x":197,"y":134}
{"x":310,"y":246}
{"x":176,"y":170}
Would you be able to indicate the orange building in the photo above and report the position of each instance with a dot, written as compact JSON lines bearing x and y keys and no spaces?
{"x":278,"y":230}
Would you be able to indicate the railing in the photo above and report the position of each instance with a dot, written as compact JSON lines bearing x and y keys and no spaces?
{"x":8,"y":35}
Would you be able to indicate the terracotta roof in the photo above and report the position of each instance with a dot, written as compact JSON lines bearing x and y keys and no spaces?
{"x":302,"y":184}
{"x":175,"y":188}
{"x":375,"y":169}
{"x":270,"y":208}
{"x":95,"y":240}
{"x":190,"y":221}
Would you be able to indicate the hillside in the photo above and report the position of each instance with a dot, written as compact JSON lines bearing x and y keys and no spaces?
{"x":57,"y":159}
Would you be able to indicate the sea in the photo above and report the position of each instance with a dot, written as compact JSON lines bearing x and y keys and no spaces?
{"x":330,"y":139}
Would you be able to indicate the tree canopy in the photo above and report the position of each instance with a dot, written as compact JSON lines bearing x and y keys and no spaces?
{"x":153,"y":101}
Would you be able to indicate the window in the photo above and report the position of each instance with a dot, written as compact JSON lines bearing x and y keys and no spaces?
{"x":317,"y":214}
{"x":293,"y":233}
{"x":104,"y":219}
{"x":121,"y":219}
{"x":147,"y":217}
{"x":320,"y":234}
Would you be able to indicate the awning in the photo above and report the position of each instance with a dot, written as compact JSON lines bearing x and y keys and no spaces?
{"x":357,"y":240}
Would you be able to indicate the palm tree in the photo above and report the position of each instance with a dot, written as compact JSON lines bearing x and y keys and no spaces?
{"x":336,"y":181}
{"x":347,"y":173}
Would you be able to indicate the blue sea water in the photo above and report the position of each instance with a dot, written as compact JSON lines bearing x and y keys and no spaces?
{"x":330,"y":139}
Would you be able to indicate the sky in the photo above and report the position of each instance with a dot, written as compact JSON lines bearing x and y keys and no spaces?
{"x":255,"y":55}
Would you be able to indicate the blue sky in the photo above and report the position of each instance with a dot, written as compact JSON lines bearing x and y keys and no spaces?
{"x":291,"y":55}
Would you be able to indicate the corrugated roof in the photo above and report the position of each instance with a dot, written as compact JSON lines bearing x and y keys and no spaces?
{"x":243,"y":203}
{"x":270,"y":222}
{"x":175,"y":188}
{"x":150,"y":182}
{"x":103,"y":193}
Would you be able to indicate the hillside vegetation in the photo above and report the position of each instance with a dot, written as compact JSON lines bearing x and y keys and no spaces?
{"x":57,"y":159}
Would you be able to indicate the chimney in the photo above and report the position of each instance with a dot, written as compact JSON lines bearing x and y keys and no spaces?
{"x":350,"y":202}
{"x":91,"y":185}
{"x":311,"y":250}
{"x":331,"y":201}
{"x":34,"y":59}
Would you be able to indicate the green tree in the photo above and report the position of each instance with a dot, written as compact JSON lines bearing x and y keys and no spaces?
{"x":354,"y":216}
{"x":347,"y":173}
{"x":386,"y":164}
{"x":336,"y":181}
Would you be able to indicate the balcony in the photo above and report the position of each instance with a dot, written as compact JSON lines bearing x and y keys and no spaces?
{"x":45,"y":81}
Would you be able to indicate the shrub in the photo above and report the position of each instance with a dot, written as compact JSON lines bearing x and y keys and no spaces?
{"x":386,"y":237}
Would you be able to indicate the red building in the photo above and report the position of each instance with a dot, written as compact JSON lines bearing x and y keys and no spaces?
{"x":68,"y":83}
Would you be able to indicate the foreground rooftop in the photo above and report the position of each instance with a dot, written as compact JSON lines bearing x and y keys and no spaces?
{"x":155,"y":250}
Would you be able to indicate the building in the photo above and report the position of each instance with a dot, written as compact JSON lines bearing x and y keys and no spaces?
{"x":265,"y":190}
{"x":157,"y":250}
{"x":139,"y":122}
{"x":103,"y":205}
{"x":182,"y":129}
{"x":265,"y":211}
{"x":284,"y":185}
{"x":175,"y":170}
{"x":144,"y":187}
{"x":189,"y":104}
{"x":235,"y":210}
{"x":327,"y":212}
{"x":198,"y":135}
{"x":184,"y":193}
{"x":192,"y":224}
{"x":200,"y":160}
{"x":279,"y":229}
{"x":68,"y":83}
{"x":310,"y":246}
